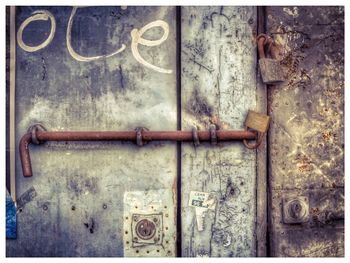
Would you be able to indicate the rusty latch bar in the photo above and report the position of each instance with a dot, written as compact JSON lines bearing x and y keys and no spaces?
{"x":37,"y":134}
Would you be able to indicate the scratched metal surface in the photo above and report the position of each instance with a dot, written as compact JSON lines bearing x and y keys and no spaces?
{"x":78,"y":207}
{"x":218,"y":86}
{"x":307,"y":129}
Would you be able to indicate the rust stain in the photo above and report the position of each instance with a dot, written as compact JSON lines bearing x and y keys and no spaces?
{"x":304,"y":164}
{"x":327,"y":135}
{"x":315,"y":211}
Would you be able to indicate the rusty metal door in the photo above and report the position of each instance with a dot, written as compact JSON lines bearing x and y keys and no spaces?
{"x":306,"y":137}
{"x":85,"y":69}
{"x":218,"y":86}
{"x":177,"y":68}
{"x":117,"y":68}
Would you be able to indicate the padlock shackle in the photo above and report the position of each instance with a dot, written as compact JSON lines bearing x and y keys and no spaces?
{"x":261,"y":39}
{"x":273,"y":50}
{"x":264,"y":40}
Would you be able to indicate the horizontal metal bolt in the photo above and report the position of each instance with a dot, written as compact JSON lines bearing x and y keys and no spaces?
{"x":44,"y":136}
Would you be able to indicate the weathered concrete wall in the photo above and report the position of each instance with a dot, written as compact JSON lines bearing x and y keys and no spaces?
{"x":79,"y":205}
{"x":218,"y":81}
{"x":306,"y":138}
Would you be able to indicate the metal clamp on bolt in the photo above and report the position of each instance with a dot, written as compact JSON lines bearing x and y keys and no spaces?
{"x":196,"y":141}
{"x":139,"y":139}
{"x":33,"y":130}
{"x":213,"y":135}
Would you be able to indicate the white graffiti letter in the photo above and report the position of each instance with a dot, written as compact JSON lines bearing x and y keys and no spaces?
{"x":136,"y":36}
{"x":37,"y":15}
{"x":72,"y":51}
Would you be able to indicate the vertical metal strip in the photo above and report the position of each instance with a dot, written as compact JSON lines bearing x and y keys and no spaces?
{"x":262,"y":152}
{"x":11,"y":128}
{"x":179,"y":120}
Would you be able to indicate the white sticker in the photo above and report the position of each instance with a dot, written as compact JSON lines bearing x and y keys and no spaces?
{"x":202,"y":199}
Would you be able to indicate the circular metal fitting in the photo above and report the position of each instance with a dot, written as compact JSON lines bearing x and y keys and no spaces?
{"x":258,"y":141}
{"x":33,"y":130}
{"x":145,"y":229}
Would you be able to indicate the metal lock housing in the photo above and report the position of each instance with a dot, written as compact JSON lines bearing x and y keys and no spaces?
{"x":147,"y":229}
{"x":295,"y":210}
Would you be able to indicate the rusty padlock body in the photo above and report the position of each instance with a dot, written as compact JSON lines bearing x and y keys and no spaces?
{"x":270,"y":68}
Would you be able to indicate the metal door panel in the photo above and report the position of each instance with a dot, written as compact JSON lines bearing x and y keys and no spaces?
{"x":79,"y":205}
{"x":306,"y":137}
{"x":218,"y":86}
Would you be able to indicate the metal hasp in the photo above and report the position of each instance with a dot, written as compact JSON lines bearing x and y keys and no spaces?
{"x":37,"y":134}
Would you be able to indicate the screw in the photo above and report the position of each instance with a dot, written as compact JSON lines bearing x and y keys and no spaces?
{"x":136,"y":218}
{"x":73,"y":207}
{"x":155,"y":220}
{"x":45,"y":207}
{"x":104,"y":206}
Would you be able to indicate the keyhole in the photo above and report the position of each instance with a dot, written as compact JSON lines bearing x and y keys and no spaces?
{"x":296,"y":210}
{"x":145,"y":229}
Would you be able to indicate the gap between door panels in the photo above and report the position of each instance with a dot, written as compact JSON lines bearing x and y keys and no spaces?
{"x":262,"y":169}
{"x":179,"y":118}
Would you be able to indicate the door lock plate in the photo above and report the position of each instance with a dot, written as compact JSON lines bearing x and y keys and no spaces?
{"x":147,"y":229}
{"x":295,"y":210}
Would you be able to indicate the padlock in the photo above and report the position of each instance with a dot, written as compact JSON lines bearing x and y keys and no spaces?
{"x":258,"y":122}
{"x":270,"y":68}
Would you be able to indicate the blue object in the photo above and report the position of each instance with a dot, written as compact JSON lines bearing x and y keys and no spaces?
{"x":11,"y":226}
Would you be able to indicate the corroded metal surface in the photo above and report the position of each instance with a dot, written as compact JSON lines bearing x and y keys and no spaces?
{"x":307,"y":129}
{"x":78,"y":210}
{"x":218,"y":58}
